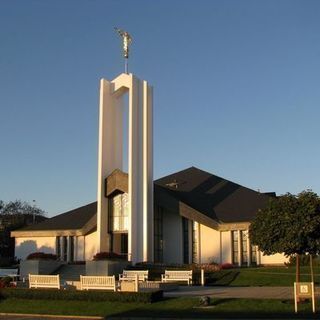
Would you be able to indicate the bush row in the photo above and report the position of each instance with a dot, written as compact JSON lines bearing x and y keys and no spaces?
{"x":51,"y":294}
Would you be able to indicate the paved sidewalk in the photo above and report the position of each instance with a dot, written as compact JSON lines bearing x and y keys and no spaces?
{"x":234,"y":292}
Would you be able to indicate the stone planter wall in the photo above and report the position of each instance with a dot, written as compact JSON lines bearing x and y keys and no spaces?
{"x":38,"y":267}
{"x":105,"y":267}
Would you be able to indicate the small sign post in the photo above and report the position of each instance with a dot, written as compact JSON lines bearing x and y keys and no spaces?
{"x":304,"y":290}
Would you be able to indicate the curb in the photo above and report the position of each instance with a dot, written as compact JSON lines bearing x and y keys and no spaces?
{"x":50,"y":316}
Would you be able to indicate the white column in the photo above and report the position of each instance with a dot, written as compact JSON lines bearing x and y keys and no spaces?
{"x":109,"y":154}
{"x":258,"y":257}
{"x":249,"y":249}
{"x":220,"y":246}
{"x":148,"y":217}
{"x":199,"y":243}
{"x":140,"y":161}
{"x":239,"y":248}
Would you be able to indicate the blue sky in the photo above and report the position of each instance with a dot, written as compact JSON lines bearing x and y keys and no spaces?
{"x":236,"y":91}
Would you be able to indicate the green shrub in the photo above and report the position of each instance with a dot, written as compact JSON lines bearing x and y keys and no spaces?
{"x":93,"y":295}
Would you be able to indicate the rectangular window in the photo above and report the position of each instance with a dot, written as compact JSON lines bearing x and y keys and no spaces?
{"x":124,"y":243}
{"x":119,"y":209}
{"x":58,"y":247}
{"x":158,"y":234}
{"x":253,"y":254}
{"x":244,"y":247}
{"x":71,"y":258}
{"x":185,"y":230}
{"x":65,"y":248}
{"x":235,"y":247}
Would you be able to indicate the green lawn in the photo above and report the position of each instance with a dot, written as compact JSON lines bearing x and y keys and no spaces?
{"x":263,"y":276}
{"x":176,"y":307}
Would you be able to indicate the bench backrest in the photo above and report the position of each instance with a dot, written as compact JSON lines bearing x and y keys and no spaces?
{"x":44,"y":281}
{"x":8,"y":272}
{"x":178,"y":274}
{"x":97,"y":282}
{"x":142,"y":274}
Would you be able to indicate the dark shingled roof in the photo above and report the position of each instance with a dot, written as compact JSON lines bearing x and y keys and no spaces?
{"x":217,"y":198}
{"x":72,"y":220}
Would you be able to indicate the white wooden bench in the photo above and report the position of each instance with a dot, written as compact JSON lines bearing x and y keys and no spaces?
{"x":177,"y":275}
{"x":12,"y":273}
{"x":98,"y":283}
{"x":130,"y":275}
{"x":44,"y":281}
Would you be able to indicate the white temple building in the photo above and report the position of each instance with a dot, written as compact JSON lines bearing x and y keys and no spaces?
{"x":190,"y":216}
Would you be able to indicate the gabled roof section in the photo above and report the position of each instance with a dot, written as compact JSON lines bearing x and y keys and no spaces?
{"x":217,"y":198}
{"x":79,"y":219}
{"x":116,"y":181}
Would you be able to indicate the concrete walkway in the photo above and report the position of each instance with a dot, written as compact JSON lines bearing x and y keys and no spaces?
{"x":233,"y":292}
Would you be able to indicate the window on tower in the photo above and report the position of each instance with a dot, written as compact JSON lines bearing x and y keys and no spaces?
{"x":119,"y":213}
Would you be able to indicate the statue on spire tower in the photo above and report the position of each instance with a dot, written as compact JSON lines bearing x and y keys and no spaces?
{"x":127,"y":40}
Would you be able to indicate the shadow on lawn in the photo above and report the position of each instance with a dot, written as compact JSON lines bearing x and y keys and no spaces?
{"x":222,"y":278}
{"x":156,"y":310}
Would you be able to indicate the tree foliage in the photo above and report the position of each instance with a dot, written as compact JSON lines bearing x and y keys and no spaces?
{"x":19,"y":207}
{"x":14,"y":215}
{"x":289,"y":224}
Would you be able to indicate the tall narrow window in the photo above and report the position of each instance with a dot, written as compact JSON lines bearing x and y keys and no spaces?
{"x":244,"y":247}
{"x":158,"y":234}
{"x":124,"y":243}
{"x":195,"y":241}
{"x":253,"y":254}
{"x":235,"y":248}
{"x":65,"y":248}
{"x":71,"y":257}
{"x":185,"y":230}
{"x":119,"y":212}
{"x":58,"y":247}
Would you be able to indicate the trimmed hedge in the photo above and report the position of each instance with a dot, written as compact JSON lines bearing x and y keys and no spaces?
{"x":108,"y":256}
{"x":93,"y":295}
{"x":41,"y":256}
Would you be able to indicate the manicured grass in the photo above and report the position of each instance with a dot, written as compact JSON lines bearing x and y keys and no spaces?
{"x":263,"y":276}
{"x":175,"y":307}
{"x":82,"y":308}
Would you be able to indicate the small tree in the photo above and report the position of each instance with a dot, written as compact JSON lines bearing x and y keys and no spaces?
{"x":290,"y":225}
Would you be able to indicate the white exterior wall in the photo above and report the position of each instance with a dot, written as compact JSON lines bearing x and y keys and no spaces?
{"x":217,"y":246}
{"x":172,"y":238}
{"x":209,"y":245}
{"x":25,"y":246}
{"x":277,"y":258}
{"x":90,"y":245}
{"x":79,"y":249}
{"x":226,"y":247}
